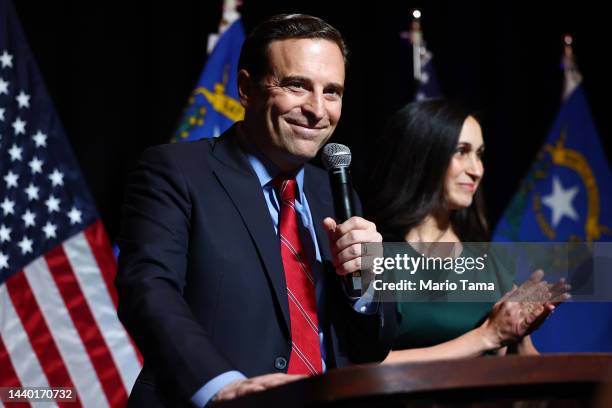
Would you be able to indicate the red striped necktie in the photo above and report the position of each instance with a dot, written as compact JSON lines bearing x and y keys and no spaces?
{"x":305,"y":347}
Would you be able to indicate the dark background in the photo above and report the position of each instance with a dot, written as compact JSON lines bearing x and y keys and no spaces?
{"x":120,"y":73}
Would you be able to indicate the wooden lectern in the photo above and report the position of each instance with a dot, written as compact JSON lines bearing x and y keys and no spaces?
{"x":555,"y":380}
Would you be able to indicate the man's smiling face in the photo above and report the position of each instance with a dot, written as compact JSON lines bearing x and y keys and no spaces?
{"x":296,"y":106}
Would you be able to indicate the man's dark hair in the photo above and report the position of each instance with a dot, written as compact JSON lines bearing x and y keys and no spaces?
{"x":407,"y":171}
{"x":253,"y":56}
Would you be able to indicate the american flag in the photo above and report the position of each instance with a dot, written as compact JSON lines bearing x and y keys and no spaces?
{"x":58,"y":322}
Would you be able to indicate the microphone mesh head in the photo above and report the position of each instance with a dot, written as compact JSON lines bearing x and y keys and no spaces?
{"x":336,"y":155}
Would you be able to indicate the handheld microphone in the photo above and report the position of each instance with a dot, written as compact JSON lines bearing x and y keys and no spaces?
{"x":337,"y":159}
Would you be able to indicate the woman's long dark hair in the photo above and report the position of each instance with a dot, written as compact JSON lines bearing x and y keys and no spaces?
{"x":407,"y":170}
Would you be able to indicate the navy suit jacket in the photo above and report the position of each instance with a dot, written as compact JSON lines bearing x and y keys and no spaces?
{"x":201,"y":282}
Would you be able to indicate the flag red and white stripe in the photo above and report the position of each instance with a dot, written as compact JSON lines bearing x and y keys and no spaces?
{"x":59,"y":327}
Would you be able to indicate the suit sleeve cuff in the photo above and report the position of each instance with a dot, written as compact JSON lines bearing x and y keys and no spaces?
{"x":211,"y":388}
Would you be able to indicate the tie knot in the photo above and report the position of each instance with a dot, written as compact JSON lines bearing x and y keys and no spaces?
{"x":286,"y":188}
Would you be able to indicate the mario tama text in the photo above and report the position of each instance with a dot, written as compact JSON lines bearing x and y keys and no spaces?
{"x":431,"y":285}
{"x":405,"y":265}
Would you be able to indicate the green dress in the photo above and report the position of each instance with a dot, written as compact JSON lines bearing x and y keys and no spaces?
{"x":424,"y":324}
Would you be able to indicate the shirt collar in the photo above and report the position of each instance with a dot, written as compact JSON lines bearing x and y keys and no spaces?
{"x":264,"y":168}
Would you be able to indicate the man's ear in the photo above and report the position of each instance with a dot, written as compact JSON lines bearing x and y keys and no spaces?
{"x":244,"y":87}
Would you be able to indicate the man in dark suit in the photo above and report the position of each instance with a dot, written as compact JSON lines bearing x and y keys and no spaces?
{"x":229,"y":269}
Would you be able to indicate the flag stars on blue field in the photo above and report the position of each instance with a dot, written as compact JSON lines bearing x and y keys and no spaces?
{"x":52,"y":204}
{"x":39,"y":205}
{"x":57,"y":178}
{"x":3,"y":260}
{"x":3,"y":86}
{"x":40,"y":139}
{"x":75,"y":216}
{"x":19,"y":126}
{"x":15,"y":152}
{"x":29,"y":218}
{"x":49,"y":229}
{"x":8,"y":207}
{"x":5,"y":233}
{"x":36,"y":165}
{"x":23,"y":100}
{"x":32,"y":192}
{"x":6,"y":59}
{"x":26,"y":245}
{"x":11,"y":179}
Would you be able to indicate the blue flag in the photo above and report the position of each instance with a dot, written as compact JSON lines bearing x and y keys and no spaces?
{"x":427,"y":86}
{"x":214,"y":105}
{"x":564,"y":198}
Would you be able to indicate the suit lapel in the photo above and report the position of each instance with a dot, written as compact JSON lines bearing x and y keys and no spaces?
{"x":242,"y":186}
{"x":321,"y":206}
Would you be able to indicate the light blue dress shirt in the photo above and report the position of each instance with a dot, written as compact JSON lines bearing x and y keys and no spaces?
{"x":266,"y":171}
